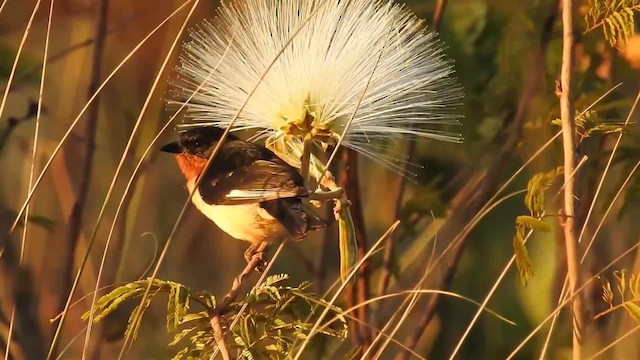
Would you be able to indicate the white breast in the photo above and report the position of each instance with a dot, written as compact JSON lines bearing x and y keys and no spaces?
{"x":247,"y":222}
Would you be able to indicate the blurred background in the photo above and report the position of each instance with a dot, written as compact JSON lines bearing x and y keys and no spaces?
{"x":507,"y":57}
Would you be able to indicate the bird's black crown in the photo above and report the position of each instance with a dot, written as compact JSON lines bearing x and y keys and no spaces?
{"x":198,"y":141}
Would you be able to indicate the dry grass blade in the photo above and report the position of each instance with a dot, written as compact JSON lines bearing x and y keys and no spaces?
{"x":32,"y":167}
{"x":499,"y":280}
{"x":512,"y":260}
{"x":324,"y":313}
{"x":569,"y":299}
{"x":82,"y":111}
{"x":414,"y":292}
{"x":413,"y":338}
{"x":412,"y":302}
{"x":584,"y":256}
{"x":14,"y":66}
{"x":121,"y":165}
{"x":606,"y":168}
{"x":614,"y":343}
{"x":57,"y":149}
{"x":588,"y":216}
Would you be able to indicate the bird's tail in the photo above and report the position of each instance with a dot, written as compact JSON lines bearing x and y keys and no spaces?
{"x":296,"y":218}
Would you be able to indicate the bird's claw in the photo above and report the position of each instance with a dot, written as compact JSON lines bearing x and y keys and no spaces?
{"x":252,"y":254}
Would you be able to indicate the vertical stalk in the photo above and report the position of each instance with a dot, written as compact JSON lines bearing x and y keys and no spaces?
{"x":568,"y":142}
{"x":306,"y":159}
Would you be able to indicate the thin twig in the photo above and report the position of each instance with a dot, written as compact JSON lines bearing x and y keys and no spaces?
{"x":76,"y":219}
{"x":21,"y":303}
{"x":219,"y":336}
{"x":57,"y":150}
{"x":120,"y":25}
{"x":215,"y":315}
{"x":568,"y":142}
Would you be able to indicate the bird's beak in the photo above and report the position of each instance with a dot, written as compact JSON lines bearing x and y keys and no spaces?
{"x":172,"y":147}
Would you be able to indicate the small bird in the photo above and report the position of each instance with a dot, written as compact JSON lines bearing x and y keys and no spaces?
{"x":248,"y":191}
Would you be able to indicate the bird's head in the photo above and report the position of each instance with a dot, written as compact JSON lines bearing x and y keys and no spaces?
{"x":193,"y":148}
{"x":198,"y":141}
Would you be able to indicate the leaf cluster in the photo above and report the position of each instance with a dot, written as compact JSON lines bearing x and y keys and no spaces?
{"x":588,"y":124}
{"x":272,"y":323}
{"x":616,"y":17}
{"x":625,"y":286}
{"x":177,"y":304}
{"x":266,"y":329}
{"x":534,"y":201}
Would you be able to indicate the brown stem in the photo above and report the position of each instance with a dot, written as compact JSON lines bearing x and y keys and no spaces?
{"x":218,"y":334}
{"x":359,"y":292}
{"x":568,"y":142}
{"x":215,"y":315}
{"x":76,"y":218}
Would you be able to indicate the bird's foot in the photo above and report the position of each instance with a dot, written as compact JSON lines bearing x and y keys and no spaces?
{"x":253,"y":253}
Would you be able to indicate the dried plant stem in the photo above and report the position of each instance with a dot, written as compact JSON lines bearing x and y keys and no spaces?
{"x":56,"y":151}
{"x":568,"y":142}
{"x":245,"y":304}
{"x":34,"y":152}
{"x":76,"y":220}
{"x":333,"y":299}
{"x":219,"y":336}
{"x":215,"y":316}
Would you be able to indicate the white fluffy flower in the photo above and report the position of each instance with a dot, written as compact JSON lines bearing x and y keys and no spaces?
{"x":319,"y":78}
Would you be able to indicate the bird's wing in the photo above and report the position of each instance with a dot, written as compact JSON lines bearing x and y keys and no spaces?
{"x":262,"y":180}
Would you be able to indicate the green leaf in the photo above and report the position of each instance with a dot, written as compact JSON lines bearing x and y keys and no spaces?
{"x":616,"y":17}
{"x":273,"y":279}
{"x":525,"y":269}
{"x":347,"y":241}
{"x":607,"y":294}
{"x":172,"y":319}
{"x":634,"y":310}
{"x":180,"y":354}
{"x":133,"y":325}
{"x":181,"y":335}
{"x":536,"y":188}
{"x":108,"y":303}
{"x":533,"y":223}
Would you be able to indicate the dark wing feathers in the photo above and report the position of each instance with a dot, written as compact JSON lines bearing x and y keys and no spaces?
{"x":245,"y":174}
{"x":292,"y":214}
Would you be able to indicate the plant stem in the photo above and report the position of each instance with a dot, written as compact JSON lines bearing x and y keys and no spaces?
{"x":78,"y":211}
{"x":219,"y":336}
{"x":568,"y":142}
{"x":359,"y":292}
{"x":306,"y":158}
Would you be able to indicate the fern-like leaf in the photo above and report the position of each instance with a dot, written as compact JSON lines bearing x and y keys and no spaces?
{"x":615,"y":17}
{"x":536,"y":188}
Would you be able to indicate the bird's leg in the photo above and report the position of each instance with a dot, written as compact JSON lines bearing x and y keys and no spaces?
{"x":255,"y":253}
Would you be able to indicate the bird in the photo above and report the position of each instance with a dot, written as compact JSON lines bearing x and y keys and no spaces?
{"x":247,"y":191}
